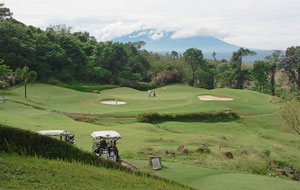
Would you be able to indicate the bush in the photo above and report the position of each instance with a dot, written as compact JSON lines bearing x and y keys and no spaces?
{"x":53,"y":81}
{"x":188,"y":117}
{"x":266,"y":152}
{"x":13,"y":140}
{"x":137,"y":85}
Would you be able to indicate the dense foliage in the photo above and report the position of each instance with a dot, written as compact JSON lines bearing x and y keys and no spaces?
{"x":58,"y":54}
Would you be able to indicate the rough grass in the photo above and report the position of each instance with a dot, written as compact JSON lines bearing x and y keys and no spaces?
{"x":21,"y":172}
{"x":205,"y":178}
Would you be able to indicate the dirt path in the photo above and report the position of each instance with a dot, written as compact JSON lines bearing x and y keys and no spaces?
{"x":81,"y":116}
{"x":129,"y":165}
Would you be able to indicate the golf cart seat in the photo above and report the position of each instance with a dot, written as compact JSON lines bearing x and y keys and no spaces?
{"x":60,"y":134}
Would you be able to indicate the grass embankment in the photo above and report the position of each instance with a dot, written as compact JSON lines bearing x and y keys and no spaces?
{"x":22,"y":142}
{"x":22,"y":172}
{"x":86,"y":87}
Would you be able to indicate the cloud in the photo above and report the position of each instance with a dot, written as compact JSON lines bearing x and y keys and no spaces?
{"x":264,"y":24}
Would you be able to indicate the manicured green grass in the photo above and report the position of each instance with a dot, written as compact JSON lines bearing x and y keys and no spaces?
{"x":171,"y":99}
{"x":20,"y":172}
{"x":245,"y":138}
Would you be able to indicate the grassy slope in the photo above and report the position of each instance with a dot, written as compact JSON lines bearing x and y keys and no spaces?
{"x":174,"y":98}
{"x":204,"y":178}
{"x":32,"y":173}
{"x":247,"y":134}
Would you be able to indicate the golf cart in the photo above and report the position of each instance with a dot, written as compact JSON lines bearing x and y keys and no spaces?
{"x":60,"y":133}
{"x":105,"y":144}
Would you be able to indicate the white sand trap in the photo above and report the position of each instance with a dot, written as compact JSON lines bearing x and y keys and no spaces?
{"x":214,"y":98}
{"x":112,"y":102}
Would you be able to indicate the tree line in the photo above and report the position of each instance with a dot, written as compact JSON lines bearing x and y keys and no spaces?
{"x":58,"y":54}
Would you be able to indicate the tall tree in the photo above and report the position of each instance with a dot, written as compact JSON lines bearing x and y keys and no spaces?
{"x":260,"y":73}
{"x":291,"y":115}
{"x":26,"y":76}
{"x":174,"y":54}
{"x":290,"y":64}
{"x":194,"y":58}
{"x":239,"y":76}
{"x":139,"y":44}
{"x":4,"y":12}
{"x":273,"y":62}
{"x":214,"y":55}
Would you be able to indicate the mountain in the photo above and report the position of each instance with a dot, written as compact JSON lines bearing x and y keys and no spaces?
{"x":163,"y":43}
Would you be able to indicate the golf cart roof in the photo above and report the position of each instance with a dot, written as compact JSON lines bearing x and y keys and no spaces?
{"x":54,"y":132}
{"x":105,"y":135}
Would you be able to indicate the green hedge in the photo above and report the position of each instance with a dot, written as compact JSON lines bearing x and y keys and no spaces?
{"x":86,"y":87}
{"x":188,"y":117}
{"x":14,"y":140}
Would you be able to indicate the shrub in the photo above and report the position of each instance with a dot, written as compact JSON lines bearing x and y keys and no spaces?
{"x":13,"y":140}
{"x":266,"y":153}
{"x":53,"y":81}
{"x":137,"y":85}
{"x":188,"y":117}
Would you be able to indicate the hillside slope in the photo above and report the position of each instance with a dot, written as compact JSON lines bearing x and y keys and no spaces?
{"x":20,"y":172}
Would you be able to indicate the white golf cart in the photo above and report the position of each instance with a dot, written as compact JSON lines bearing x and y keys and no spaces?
{"x":60,"y":133}
{"x":105,"y":144}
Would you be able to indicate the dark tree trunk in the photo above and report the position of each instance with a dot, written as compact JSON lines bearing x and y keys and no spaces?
{"x":273,"y":83}
{"x":25,"y":90}
{"x":298,"y":80}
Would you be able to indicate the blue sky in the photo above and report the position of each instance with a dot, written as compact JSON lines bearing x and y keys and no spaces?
{"x":262,"y":24}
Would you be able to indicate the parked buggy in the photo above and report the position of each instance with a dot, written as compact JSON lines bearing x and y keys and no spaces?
{"x":63,"y":135}
{"x":105,"y":144}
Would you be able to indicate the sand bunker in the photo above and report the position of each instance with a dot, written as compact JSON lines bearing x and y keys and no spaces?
{"x":214,"y":98}
{"x":112,"y":102}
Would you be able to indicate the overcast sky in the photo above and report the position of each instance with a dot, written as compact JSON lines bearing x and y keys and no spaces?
{"x":261,"y":24}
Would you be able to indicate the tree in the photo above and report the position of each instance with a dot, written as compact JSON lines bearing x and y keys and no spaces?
{"x":194,"y":58}
{"x":273,"y":62}
{"x":139,"y":44}
{"x":260,"y":74}
{"x":174,"y":54}
{"x":290,"y":64}
{"x":239,"y":76}
{"x":214,"y":55}
{"x":4,"y":69}
{"x":291,"y":115}
{"x":26,"y":76}
{"x":4,"y":12}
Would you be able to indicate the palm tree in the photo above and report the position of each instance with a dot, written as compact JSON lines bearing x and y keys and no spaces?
{"x":26,"y":75}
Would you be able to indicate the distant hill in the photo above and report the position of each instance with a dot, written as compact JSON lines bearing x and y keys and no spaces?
{"x":163,"y":43}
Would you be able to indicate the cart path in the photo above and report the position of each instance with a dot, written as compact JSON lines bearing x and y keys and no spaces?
{"x":129,"y":165}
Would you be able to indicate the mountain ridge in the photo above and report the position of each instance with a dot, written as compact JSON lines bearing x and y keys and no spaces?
{"x":163,"y":42}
